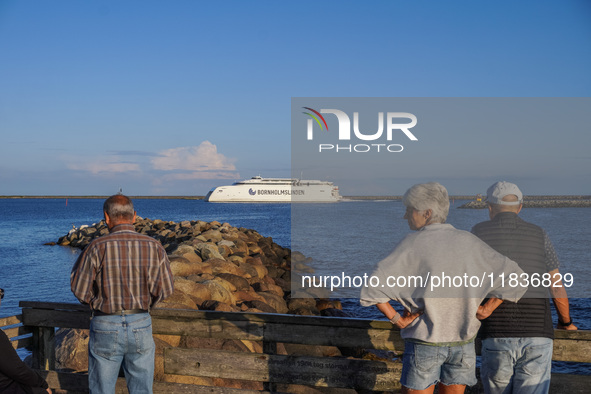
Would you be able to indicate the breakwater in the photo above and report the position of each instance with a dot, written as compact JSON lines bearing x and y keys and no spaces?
{"x":541,"y":202}
{"x":220,"y":267}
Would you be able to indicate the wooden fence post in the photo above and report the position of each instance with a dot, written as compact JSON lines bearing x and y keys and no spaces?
{"x":44,"y":348}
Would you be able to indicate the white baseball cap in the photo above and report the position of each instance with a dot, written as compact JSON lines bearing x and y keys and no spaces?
{"x":499,"y":190}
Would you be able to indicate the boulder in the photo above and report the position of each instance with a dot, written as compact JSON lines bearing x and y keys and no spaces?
{"x":178,"y":300}
{"x":259,"y":306}
{"x":191,"y":288}
{"x":221,"y":266}
{"x":71,"y":354}
{"x":180,"y":266}
{"x":239,"y":282}
{"x":275,"y":301}
{"x":207,"y":251}
{"x":219,"y":293}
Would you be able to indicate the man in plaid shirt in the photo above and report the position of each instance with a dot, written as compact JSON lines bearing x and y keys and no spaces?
{"x":121,"y":275}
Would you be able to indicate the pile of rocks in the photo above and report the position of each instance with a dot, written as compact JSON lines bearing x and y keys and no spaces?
{"x":219,"y":267}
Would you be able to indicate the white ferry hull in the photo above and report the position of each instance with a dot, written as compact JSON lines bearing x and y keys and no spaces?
{"x":276,"y":191}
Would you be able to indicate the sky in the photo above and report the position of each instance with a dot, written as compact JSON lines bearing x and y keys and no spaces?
{"x":174,"y":98}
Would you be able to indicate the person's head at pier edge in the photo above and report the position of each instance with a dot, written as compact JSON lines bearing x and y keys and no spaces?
{"x":426,"y":203}
{"x":503,"y":197}
{"x":118,"y":209}
{"x":1,"y":295}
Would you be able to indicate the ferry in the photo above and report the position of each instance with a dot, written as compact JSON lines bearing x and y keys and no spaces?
{"x":259,"y":189}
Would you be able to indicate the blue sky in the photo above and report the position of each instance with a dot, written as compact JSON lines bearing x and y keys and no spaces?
{"x":173,"y":98}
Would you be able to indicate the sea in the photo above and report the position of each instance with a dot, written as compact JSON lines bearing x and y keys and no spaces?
{"x":33,"y":271}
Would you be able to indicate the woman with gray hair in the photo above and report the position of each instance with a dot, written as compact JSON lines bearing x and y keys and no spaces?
{"x":430,"y":273}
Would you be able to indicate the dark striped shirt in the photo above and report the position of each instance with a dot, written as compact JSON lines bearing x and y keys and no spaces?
{"x":122,"y":270}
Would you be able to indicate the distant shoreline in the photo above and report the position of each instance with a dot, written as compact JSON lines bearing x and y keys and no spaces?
{"x":460,"y":197}
{"x":104,"y":197}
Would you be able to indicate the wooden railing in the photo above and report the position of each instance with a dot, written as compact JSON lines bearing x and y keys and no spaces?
{"x":273,"y":370}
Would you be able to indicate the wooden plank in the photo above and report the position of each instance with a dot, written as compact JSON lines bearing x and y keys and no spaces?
{"x":178,"y":388}
{"x":571,"y":384}
{"x":273,"y":332}
{"x":584,"y":335}
{"x":305,"y":370}
{"x":572,"y":350}
{"x":56,"y":318}
{"x":336,"y":336}
{"x":271,"y":318}
{"x":73,"y":382}
{"x":237,"y":329}
{"x":54,"y":305}
{"x":11,"y":320}
{"x":17,"y":331}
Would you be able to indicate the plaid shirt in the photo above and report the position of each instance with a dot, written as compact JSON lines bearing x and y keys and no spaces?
{"x":122,"y":270}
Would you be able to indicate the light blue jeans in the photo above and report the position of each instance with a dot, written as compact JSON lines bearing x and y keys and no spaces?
{"x":117,"y":340}
{"x":426,"y":365}
{"x":516,"y":365}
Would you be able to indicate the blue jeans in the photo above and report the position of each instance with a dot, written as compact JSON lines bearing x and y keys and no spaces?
{"x":426,"y":365}
{"x":121,"y":339}
{"x":516,"y":365}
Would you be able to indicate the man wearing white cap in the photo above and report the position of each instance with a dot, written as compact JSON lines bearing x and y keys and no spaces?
{"x":517,"y":338}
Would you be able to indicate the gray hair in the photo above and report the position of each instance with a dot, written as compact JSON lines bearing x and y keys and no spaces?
{"x":119,"y":207}
{"x":431,"y":196}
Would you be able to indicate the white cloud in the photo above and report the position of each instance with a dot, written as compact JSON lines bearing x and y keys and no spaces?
{"x":202,"y":175}
{"x":198,"y":159}
{"x":99,"y":166}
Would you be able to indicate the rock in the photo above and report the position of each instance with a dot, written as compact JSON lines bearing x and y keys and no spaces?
{"x":71,"y":353}
{"x":227,"y":285}
{"x":208,"y":251}
{"x":296,"y":303}
{"x":284,"y":284}
{"x":239,"y":282}
{"x":261,"y":306}
{"x":250,"y":271}
{"x":191,"y":288}
{"x":219,"y":293}
{"x":254,"y":248}
{"x":211,"y":305}
{"x":178,"y":300}
{"x":226,"y":242}
{"x":333,"y":312}
{"x":212,"y":236}
{"x":268,"y":287}
{"x":275,"y":301}
{"x":221,"y":266}
{"x":324,"y":304}
{"x":180,"y":266}
{"x":244,"y":295}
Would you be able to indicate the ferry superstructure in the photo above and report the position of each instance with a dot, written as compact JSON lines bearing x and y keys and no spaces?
{"x":259,"y":189}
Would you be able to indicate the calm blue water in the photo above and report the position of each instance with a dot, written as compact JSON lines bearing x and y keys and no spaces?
{"x":32,"y":271}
